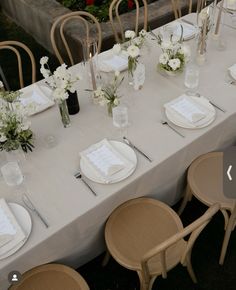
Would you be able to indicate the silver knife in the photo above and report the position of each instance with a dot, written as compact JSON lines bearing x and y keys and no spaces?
{"x":217,"y":107}
{"x":28,"y":203}
{"x":127,"y":141}
{"x":176,"y":131}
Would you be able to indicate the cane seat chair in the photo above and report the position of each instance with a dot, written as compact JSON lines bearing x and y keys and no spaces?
{"x":177,"y":6}
{"x":89,"y":31}
{"x":51,"y":277}
{"x":147,"y":236}
{"x":205,"y":182}
{"x":118,"y":27}
{"x":18,"y":48}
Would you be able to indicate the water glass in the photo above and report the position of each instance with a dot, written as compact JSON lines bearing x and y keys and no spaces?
{"x":191,"y":79}
{"x":12,"y":174}
{"x":120,"y":116}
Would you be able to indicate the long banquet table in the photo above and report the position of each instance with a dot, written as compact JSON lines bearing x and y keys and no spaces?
{"x":76,"y":217}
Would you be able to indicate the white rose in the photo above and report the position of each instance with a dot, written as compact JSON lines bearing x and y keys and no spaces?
{"x":143,"y":33}
{"x":163,"y":59}
{"x":60,"y":94}
{"x":133,"y":51}
{"x":43,"y":60}
{"x":25,"y":125}
{"x":174,"y":63}
{"x":116,"y":49}
{"x":3,"y":138}
{"x":130,"y":34}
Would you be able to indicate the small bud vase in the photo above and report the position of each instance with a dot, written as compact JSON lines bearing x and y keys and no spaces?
{"x":65,"y":118}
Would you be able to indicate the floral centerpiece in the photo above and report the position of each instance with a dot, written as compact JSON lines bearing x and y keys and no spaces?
{"x":108,"y":94}
{"x":62,"y":82}
{"x":131,"y":48}
{"x":174,"y":54}
{"x":15,"y":132}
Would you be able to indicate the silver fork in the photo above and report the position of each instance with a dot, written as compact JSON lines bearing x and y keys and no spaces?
{"x":78,"y":175}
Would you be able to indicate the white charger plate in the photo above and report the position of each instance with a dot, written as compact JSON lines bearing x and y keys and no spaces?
{"x":23,"y":218}
{"x":182,"y":122}
{"x":44,"y":92}
{"x":125,"y":150}
{"x":185,"y":27}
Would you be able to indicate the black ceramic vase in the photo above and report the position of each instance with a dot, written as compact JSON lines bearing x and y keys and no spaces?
{"x":73,"y":103}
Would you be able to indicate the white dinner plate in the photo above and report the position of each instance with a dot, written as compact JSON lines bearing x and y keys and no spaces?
{"x":122,"y":148}
{"x":23,"y":218}
{"x":189,"y":30}
{"x":44,"y":101}
{"x":184,"y":123}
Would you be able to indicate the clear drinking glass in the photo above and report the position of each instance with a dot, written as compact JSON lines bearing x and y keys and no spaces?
{"x":12,"y":173}
{"x":120,"y":118}
{"x":191,"y":79}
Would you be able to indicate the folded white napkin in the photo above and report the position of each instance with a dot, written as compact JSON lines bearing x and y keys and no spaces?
{"x":188,"y":30}
{"x":11,"y":233}
{"x":105,"y":159}
{"x":34,"y":99}
{"x":232,"y":70}
{"x":189,"y":109}
{"x":112,"y":62}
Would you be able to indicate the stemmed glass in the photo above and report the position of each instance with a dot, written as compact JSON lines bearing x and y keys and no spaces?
{"x":191,"y":79}
{"x":120,"y":119}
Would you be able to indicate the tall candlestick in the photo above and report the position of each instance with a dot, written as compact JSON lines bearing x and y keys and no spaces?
{"x":92,"y":72}
{"x":219,"y":18}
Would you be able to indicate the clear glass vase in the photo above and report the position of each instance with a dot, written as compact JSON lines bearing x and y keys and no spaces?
{"x":65,"y":118}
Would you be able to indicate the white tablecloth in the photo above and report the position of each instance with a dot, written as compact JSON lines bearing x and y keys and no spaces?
{"x":76,"y":217}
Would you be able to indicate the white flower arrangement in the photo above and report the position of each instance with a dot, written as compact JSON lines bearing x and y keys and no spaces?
{"x":14,"y":125}
{"x":108,"y":94}
{"x":131,"y":48}
{"x":61,"y":81}
{"x":174,"y":53}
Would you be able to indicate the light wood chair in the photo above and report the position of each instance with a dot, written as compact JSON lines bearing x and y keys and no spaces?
{"x":146,"y":235}
{"x":80,"y":17}
{"x":117,"y":27}
{"x":205,"y":182}
{"x":14,"y":47}
{"x":177,"y":6}
{"x":51,"y":277}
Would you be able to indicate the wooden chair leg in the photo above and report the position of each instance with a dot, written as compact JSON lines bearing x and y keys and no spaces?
{"x":143,"y":285}
{"x":187,"y":197}
{"x":228,"y":231}
{"x":106,"y":259}
{"x":151,"y":282}
{"x":190,"y":270}
{"x":226,"y":217}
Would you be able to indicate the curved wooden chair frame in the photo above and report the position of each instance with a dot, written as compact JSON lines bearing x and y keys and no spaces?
{"x":121,"y":239}
{"x":42,"y":283}
{"x":10,"y":44}
{"x":119,"y":32}
{"x":62,"y":21}
{"x":176,"y":5}
{"x":198,"y":184}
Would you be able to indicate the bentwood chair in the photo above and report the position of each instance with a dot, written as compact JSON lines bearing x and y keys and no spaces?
{"x":178,"y":5}
{"x":18,"y":48}
{"x":118,"y":27}
{"x":147,"y":236}
{"x":79,"y":21}
{"x":205,"y":182}
{"x":51,"y":277}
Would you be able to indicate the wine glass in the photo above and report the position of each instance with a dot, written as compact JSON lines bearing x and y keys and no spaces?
{"x":120,"y":118}
{"x":12,"y":173}
{"x":191,"y":79}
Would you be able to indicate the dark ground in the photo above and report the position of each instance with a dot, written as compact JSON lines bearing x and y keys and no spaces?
{"x":210,"y":275}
